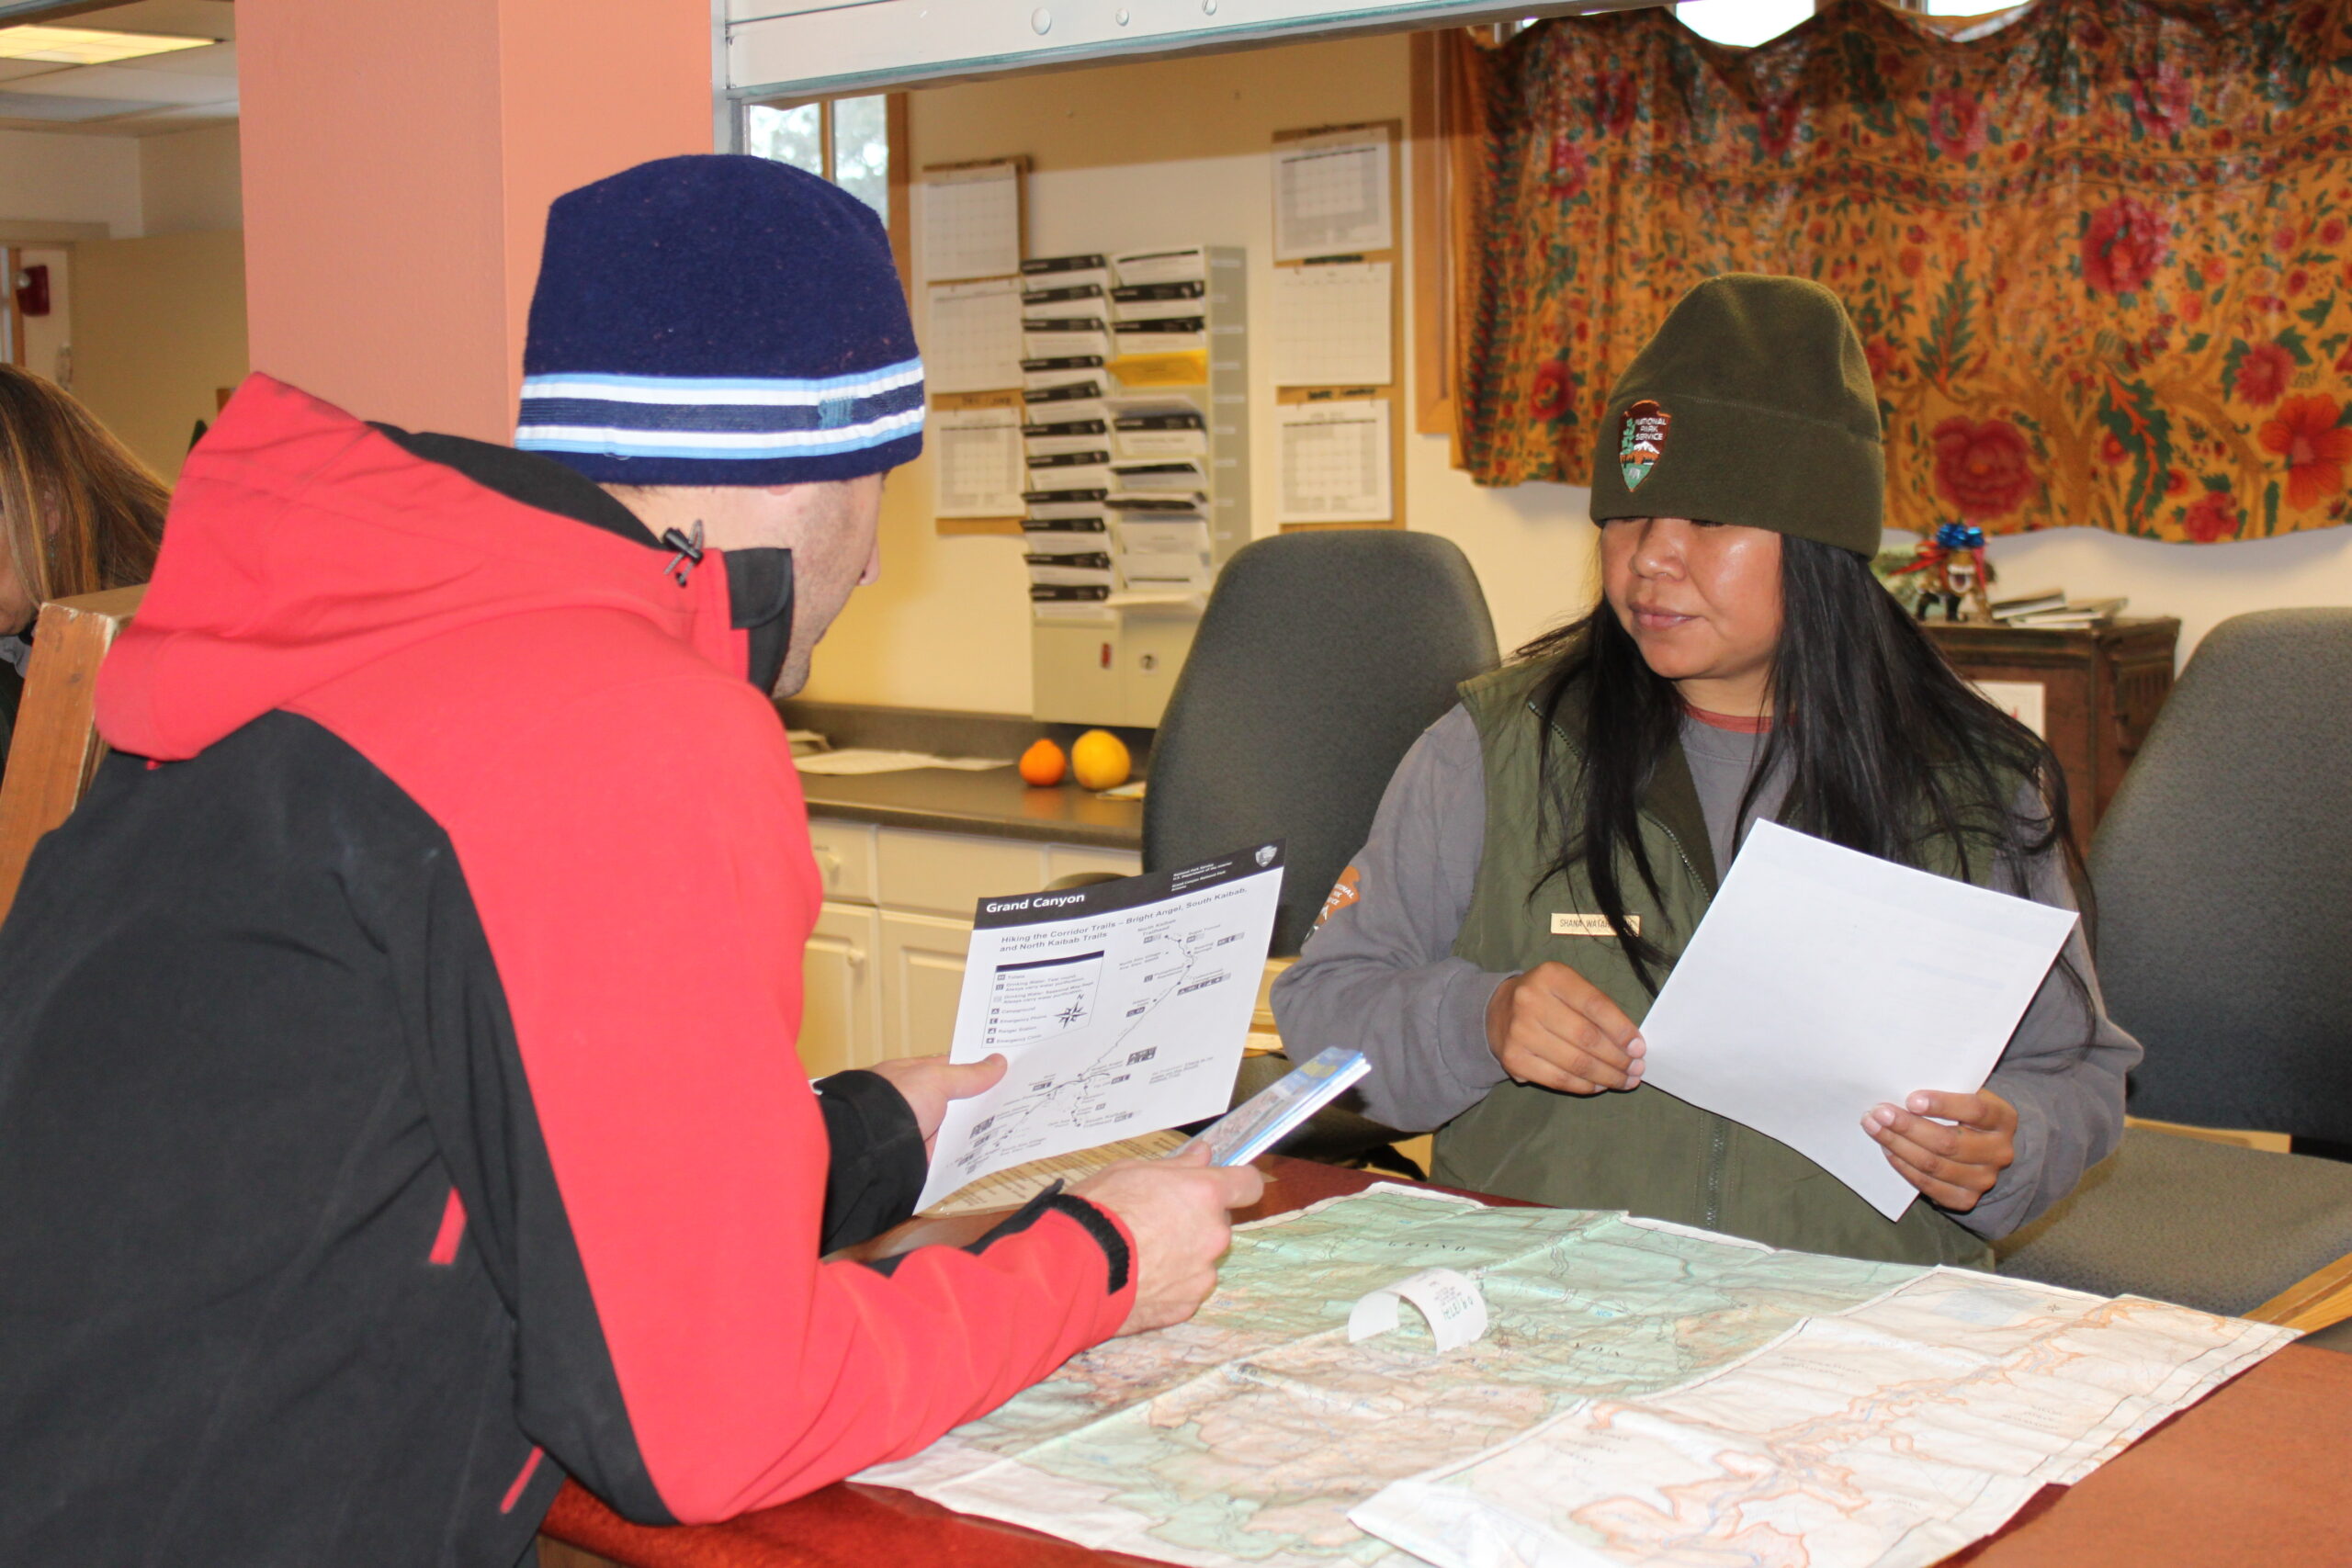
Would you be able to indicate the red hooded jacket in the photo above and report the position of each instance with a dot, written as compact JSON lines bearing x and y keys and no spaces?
{"x":424,"y":972}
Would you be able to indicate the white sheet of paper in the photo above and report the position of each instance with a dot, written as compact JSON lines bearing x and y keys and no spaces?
{"x":1331,"y":463}
{"x":982,"y":473}
{"x":1331,"y":195}
{"x":1123,"y":1007}
{"x":971,"y":222}
{"x":971,"y":340}
{"x":1824,"y":982}
{"x":1331,"y":326}
{"x":857,"y":761}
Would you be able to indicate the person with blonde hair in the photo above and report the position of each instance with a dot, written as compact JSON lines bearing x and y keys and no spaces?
{"x":78,"y":513}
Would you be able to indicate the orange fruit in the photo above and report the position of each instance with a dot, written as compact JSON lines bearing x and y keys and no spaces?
{"x":1041,"y":764}
{"x":1100,"y":761}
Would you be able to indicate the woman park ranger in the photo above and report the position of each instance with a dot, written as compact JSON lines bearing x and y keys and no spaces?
{"x":1548,"y":847}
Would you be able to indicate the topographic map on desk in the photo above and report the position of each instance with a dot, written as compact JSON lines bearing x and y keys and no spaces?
{"x":1645,"y":1394}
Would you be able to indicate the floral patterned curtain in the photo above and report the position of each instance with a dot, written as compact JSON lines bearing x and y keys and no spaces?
{"x":2097,"y":256}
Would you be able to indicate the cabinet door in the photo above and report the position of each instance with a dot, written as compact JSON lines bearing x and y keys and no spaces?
{"x":1068,"y":860}
{"x":840,"y":1004}
{"x":1152,"y":651}
{"x":922,"y":979}
{"x":1075,"y":675}
{"x":844,"y":853}
{"x":948,"y":874}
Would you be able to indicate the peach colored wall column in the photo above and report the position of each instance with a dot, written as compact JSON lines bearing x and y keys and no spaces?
{"x":399,"y":159}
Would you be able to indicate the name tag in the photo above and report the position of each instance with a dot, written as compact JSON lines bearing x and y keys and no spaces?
{"x":1591,"y":925}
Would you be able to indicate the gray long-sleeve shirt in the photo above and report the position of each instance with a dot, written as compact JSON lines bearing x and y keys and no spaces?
{"x":1379,"y":975}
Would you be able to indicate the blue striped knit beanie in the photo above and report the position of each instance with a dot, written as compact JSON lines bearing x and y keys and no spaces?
{"x":719,"y":321}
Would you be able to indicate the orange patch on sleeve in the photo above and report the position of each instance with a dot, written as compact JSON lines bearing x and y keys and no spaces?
{"x":1344,"y":892}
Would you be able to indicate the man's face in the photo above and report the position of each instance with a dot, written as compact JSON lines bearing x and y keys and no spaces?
{"x":834,"y":552}
{"x":830,"y":528}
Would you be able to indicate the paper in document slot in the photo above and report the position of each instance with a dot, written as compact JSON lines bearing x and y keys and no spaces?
{"x":1182,"y":434}
{"x":1064,"y":536}
{"x":1160,"y":334}
{"x":1076,"y":569}
{"x":1182,"y":474}
{"x":1824,"y":982}
{"x":1140,"y":268}
{"x":1063,"y":337}
{"x":1157,"y":301}
{"x":1122,"y":1006}
{"x":1076,"y":401}
{"x":1063,"y":436}
{"x":1087,"y":296}
{"x":1061,"y":372}
{"x":1044,"y":273}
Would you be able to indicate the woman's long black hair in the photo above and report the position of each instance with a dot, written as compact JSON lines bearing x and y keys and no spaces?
{"x":1889,"y":752}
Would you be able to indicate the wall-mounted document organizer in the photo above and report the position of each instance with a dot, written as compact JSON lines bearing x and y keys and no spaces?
{"x":1335,"y":324}
{"x":1138,"y":471}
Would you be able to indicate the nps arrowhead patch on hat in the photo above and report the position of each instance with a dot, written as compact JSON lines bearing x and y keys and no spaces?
{"x":1642,"y":441}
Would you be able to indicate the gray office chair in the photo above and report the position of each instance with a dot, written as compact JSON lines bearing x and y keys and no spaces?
{"x":1320,"y":659}
{"x":1321,"y":656}
{"x":2223,"y":874}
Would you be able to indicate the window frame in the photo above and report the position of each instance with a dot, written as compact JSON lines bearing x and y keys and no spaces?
{"x":897,"y":182}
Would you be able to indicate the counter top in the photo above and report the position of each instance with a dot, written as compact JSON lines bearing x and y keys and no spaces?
{"x":994,"y":803}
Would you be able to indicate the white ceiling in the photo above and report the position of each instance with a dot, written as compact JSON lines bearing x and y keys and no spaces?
{"x":182,"y":90}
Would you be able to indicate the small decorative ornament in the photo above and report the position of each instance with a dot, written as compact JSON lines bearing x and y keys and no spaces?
{"x":1957,"y":573}
{"x":1642,"y":441}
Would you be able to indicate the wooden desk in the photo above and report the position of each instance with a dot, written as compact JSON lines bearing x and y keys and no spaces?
{"x":2260,"y":1472}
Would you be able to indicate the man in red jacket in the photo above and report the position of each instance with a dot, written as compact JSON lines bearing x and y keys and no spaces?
{"x":398,"y":1106}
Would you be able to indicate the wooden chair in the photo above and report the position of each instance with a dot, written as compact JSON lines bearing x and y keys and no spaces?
{"x":56,"y":746}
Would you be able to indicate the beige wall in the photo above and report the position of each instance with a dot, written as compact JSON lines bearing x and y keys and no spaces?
{"x":1176,"y":151}
{"x":1168,"y":152}
{"x":159,"y":324}
{"x":72,"y":179}
{"x":2202,"y":584}
{"x":190,"y":182}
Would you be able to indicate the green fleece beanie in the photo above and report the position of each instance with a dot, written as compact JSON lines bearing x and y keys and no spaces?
{"x":1752,"y":404}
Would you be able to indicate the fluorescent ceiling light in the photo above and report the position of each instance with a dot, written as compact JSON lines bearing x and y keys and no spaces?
{"x":88,"y":46}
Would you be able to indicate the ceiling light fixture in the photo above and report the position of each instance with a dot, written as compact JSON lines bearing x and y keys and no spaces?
{"x":88,"y":46}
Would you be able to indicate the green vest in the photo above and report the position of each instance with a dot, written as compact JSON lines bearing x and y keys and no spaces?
{"x":1643,"y":1151}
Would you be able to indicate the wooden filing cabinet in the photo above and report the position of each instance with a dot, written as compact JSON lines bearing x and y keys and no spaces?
{"x":884,"y":968}
{"x":2102,"y":687}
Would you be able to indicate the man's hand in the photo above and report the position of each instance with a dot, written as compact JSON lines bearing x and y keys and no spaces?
{"x":1174,"y":1209}
{"x":928,"y":1083}
{"x":1550,"y":1026}
{"x":1953,"y":1166}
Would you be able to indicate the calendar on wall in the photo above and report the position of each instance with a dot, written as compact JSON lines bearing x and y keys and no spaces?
{"x":1333,"y":329}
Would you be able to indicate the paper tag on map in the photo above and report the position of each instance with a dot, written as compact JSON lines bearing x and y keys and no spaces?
{"x":1453,"y":1303}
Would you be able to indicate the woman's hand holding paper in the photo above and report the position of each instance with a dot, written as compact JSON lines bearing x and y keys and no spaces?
{"x":1952,"y":1147}
{"x":1552,"y":1027}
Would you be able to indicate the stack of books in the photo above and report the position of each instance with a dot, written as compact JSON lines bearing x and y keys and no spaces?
{"x":2050,"y":609}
